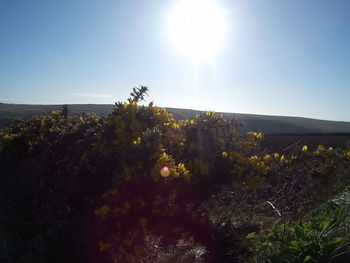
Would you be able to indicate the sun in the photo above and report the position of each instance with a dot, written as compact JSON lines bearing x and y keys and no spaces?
{"x":197,"y":28}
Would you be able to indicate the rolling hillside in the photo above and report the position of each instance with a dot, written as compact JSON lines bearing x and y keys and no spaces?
{"x":262,"y":123}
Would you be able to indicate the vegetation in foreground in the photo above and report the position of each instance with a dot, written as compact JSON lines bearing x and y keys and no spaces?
{"x":140,"y":186}
{"x":332,"y":133}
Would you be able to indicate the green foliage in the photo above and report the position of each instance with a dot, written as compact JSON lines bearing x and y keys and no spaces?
{"x":118,"y":187}
{"x":138,"y":94}
{"x":39,"y":159}
{"x":323,"y":236}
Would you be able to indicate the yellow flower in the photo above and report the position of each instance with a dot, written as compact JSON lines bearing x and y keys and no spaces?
{"x":137,"y":141}
{"x":276,"y":155}
{"x":304,"y":148}
{"x":267,"y":158}
{"x":348,"y":155}
{"x":103,"y":211}
{"x":320,"y":149}
{"x":175,"y":126}
{"x":181,"y":167}
{"x":224,"y":154}
{"x":255,"y":158}
{"x":9,"y":136}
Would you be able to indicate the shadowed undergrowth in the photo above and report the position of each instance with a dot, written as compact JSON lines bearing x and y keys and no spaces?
{"x":140,"y":186}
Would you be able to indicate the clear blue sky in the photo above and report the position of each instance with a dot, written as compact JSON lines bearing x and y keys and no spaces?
{"x":288,"y":57}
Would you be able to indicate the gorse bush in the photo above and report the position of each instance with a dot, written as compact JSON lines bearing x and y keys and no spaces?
{"x":163,"y":171}
{"x":41,"y":193}
{"x":139,"y":186}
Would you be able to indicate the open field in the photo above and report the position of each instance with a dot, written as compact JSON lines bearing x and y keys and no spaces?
{"x":283,"y":142}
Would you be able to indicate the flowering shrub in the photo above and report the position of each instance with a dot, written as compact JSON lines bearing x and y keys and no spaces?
{"x":118,"y":187}
{"x":39,"y":164}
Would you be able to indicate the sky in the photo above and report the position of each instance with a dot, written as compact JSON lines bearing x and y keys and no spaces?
{"x":289,"y":58}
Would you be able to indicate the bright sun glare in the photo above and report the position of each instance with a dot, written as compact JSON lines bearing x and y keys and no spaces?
{"x":197,"y":28}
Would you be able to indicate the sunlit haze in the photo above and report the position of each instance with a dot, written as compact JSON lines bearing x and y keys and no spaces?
{"x":197,"y":28}
{"x":268,"y":57}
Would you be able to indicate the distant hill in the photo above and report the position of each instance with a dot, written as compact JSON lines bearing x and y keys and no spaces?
{"x":262,"y":123}
{"x":276,"y":124}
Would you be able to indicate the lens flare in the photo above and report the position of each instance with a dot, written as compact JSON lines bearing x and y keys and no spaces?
{"x":165,"y":172}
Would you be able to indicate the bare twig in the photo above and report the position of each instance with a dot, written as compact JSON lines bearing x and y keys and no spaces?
{"x":278,"y":212}
{"x":291,"y":145}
